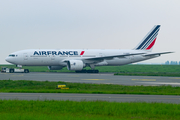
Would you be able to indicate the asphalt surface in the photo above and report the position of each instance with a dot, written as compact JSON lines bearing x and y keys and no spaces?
{"x":100,"y":78}
{"x":92,"y":97}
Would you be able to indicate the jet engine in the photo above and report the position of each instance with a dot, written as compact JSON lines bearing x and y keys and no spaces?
{"x":75,"y":65}
{"x":55,"y":67}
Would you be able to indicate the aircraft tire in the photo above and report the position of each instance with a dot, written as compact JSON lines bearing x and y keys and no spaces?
{"x":84,"y":71}
{"x":81,"y":71}
{"x":92,"y":71}
{"x":87,"y":71}
{"x":26,"y":71}
{"x":96,"y":71}
{"x":11,"y":70}
{"x":77,"y":71}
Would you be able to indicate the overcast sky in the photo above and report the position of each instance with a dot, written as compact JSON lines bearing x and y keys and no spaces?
{"x":92,"y":24}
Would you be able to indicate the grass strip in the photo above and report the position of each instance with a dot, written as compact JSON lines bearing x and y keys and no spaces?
{"x":27,"y":86}
{"x":136,"y":70}
{"x":85,"y":110}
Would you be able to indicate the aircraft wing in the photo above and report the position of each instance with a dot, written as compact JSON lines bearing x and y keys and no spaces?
{"x":98,"y":59}
{"x":151,"y":54}
{"x":113,"y":56}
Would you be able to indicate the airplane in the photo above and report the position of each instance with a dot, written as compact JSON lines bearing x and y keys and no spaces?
{"x":77,"y":59}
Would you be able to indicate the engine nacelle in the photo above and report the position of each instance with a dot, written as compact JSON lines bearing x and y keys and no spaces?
{"x":55,"y":67}
{"x":75,"y":65}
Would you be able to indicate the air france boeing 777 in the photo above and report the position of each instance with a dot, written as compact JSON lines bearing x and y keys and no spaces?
{"x":77,"y":59}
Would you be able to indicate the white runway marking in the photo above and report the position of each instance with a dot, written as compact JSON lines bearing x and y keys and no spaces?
{"x":93,"y":79}
{"x":145,"y":79}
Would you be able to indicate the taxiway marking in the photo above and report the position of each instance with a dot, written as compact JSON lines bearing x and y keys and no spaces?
{"x":145,"y":79}
{"x":92,"y":79}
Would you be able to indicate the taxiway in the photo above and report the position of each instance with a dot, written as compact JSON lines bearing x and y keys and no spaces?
{"x":100,"y":78}
{"x":91,"y":97}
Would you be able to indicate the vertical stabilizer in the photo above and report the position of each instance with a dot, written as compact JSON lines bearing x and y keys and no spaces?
{"x":149,"y":40}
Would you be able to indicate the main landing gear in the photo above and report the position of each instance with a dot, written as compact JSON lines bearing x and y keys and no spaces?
{"x":88,"y":71}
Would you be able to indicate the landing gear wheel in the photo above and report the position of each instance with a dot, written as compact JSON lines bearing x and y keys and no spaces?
{"x":26,"y":71}
{"x":81,"y":71}
{"x":96,"y":71}
{"x":87,"y":71}
{"x":11,"y":70}
{"x":92,"y":71}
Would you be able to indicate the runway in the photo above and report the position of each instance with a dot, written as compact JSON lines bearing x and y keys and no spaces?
{"x":92,"y":97}
{"x":100,"y":78}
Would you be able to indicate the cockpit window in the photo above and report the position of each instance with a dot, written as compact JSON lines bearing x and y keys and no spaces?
{"x":12,"y":55}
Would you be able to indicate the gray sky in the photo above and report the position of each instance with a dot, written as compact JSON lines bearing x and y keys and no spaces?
{"x":92,"y":24}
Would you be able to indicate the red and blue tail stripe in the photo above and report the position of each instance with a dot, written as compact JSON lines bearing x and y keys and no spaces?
{"x":149,"y":40}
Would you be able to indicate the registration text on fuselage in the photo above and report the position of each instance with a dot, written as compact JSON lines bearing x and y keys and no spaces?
{"x":55,"y":53}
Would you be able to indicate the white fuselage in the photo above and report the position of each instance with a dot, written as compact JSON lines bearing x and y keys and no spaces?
{"x":57,"y":57}
{"x":77,"y":59}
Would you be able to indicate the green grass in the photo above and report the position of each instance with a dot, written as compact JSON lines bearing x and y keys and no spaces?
{"x":25,"y":86}
{"x":85,"y":110}
{"x":143,"y":70}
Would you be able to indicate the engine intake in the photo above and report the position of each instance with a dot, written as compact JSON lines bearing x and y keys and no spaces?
{"x":75,"y":65}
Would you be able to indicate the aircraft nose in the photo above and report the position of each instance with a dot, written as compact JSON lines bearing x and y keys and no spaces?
{"x":9,"y":59}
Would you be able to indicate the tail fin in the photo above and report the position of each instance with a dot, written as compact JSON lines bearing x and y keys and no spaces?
{"x":149,"y":40}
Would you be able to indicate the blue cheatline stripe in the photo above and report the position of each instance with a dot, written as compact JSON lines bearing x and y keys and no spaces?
{"x":151,"y":39}
{"x":147,"y":38}
{"x":149,"y":43}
